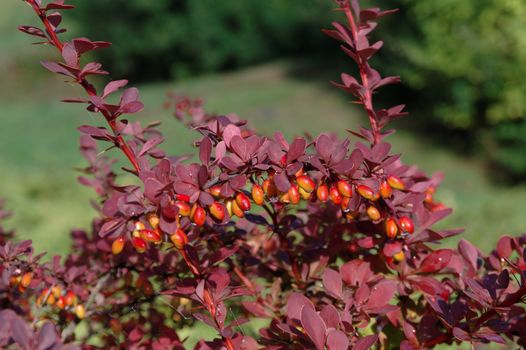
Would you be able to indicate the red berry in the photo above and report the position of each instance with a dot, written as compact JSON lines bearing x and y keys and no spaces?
{"x":294,"y":194}
{"x":344,"y":188}
{"x":391,"y":229}
{"x":182,"y":197}
{"x":198,"y":215}
{"x":366,"y":192}
{"x":306,"y":183}
{"x":70,"y":298}
{"x":217,"y":210}
{"x":61,"y":303}
{"x":179,"y":239}
{"x":152,"y":236}
{"x":117,"y":246}
{"x":395,"y":182}
{"x":322,"y":193}
{"x":139,"y":244}
{"x":385,"y":190}
{"x":258,"y":196}
{"x":407,"y":224}
{"x":335,"y":196}
{"x":243,"y":201}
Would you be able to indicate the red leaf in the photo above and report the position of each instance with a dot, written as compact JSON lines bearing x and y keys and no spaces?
{"x":436,"y":261}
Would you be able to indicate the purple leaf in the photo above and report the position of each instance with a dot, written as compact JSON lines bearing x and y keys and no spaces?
{"x":469,"y":252}
{"x":314,"y":327}
{"x":332,"y":282}
{"x":337,"y":340}
{"x":366,"y":343}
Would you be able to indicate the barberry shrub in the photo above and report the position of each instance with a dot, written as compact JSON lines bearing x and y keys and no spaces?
{"x":330,"y":243}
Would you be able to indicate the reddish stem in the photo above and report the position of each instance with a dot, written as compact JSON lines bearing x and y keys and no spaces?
{"x":367,"y":99}
{"x":90,"y":90}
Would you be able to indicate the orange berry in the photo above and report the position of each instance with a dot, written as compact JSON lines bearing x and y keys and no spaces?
{"x":215,"y":191}
{"x":345,"y":204}
{"x":294,"y":194}
{"x":50,"y":299}
{"x":198,"y":216}
{"x":217,"y":210}
{"x":243,"y":201}
{"x":407,"y":224}
{"x":14,"y":281}
{"x":139,"y":226}
{"x":373,"y":213}
{"x":228,"y":205}
{"x":184,"y":208}
{"x":400,"y":256}
{"x":335,"y":196}
{"x":152,"y":236}
{"x":118,"y":245}
{"x":56,"y":291}
{"x":270,"y":188}
{"x":80,"y":311}
{"x":285,"y":198}
{"x":344,"y":188}
{"x":258,"y":196}
{"x":237,"y":210}
{"x":391,"y":228}
{"x":26,"y":279}
{"x":395,"y":182}
{"x":304,"y":194}
{"x":366,"y":192}
{"x":385,"y":190}
{"x":61,"y":303}
{"x":153,"y":220}
{"x":179,"y":239}
{"x":139,"y":244}
{"x":299,"y":172}
{"x":306,"y":183}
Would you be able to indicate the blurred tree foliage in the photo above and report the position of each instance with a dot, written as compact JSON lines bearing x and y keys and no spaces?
{"x":468,"y":60}
{"x":163,"y":39}
{"x":465,"y":60}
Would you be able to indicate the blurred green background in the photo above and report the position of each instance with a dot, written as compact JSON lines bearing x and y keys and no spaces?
{"x":462,"y":62}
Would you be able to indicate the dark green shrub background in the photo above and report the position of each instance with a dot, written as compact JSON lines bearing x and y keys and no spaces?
{"x":463,"y":61}
{"x":164,"y":39}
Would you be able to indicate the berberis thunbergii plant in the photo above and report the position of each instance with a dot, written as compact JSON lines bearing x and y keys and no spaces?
{"x":329,"y":242}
